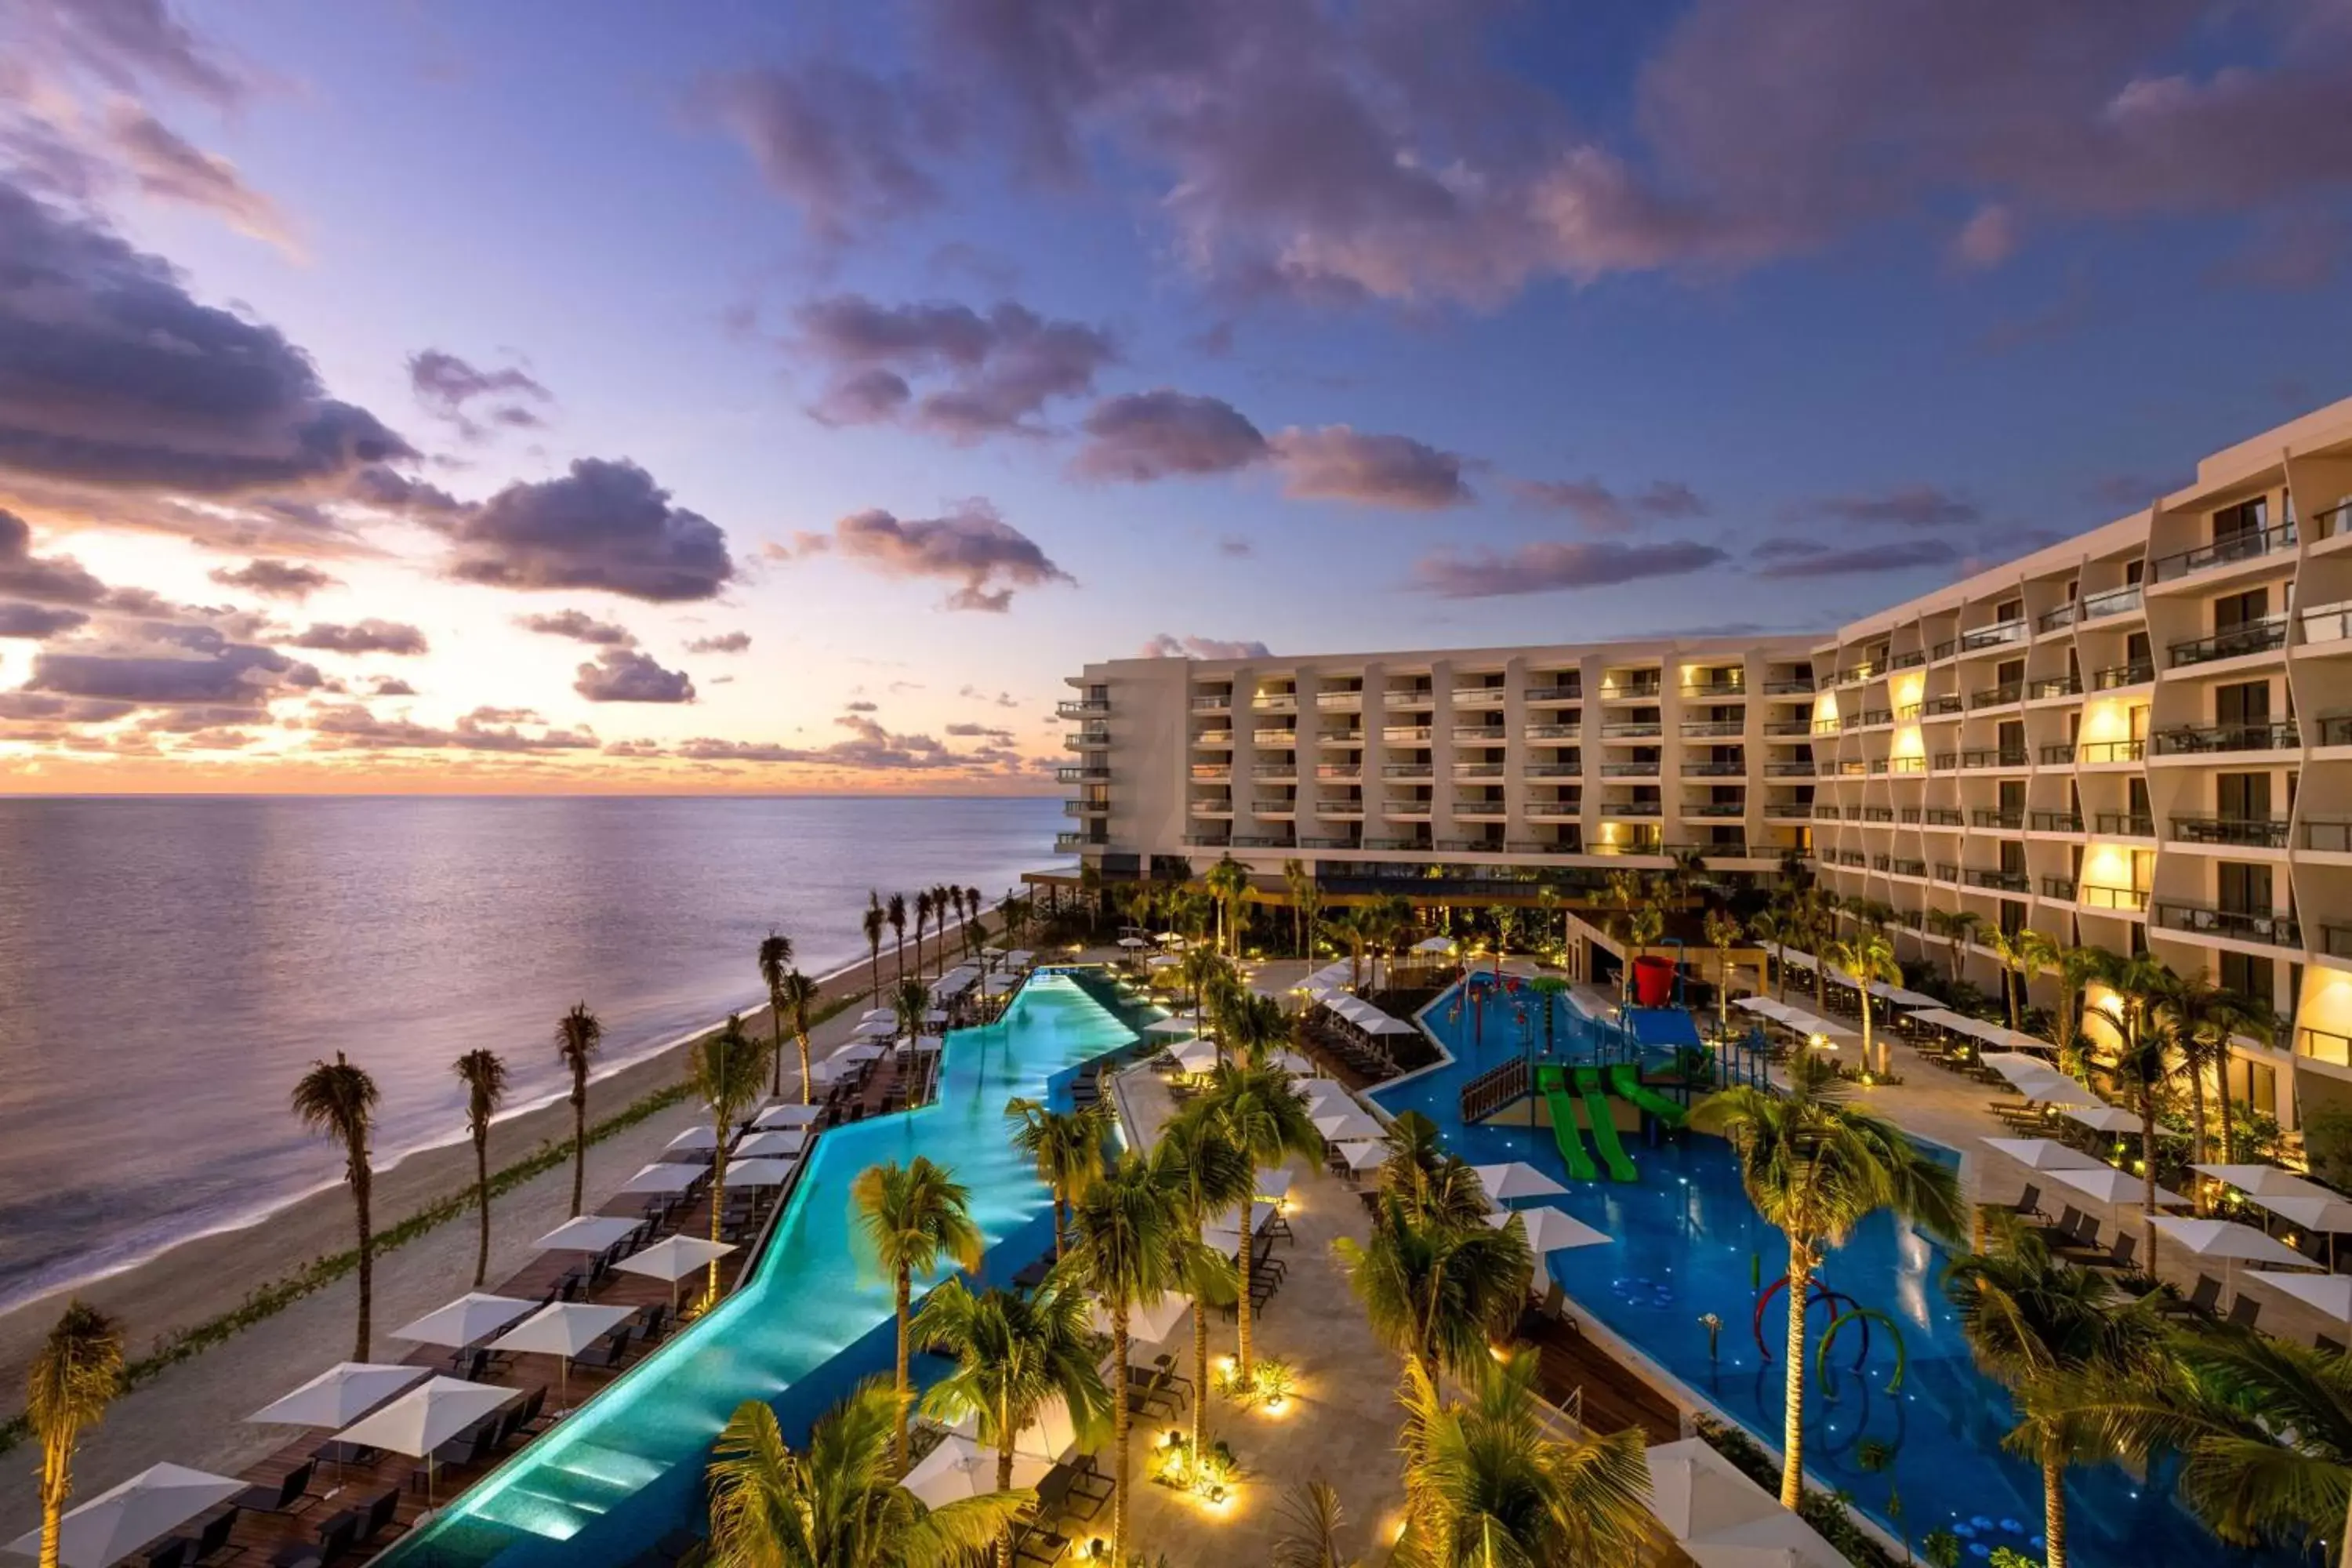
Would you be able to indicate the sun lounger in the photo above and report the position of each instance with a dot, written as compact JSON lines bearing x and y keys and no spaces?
{"x":195,"y":1549}
{"x":2244,"y":1311}
{"x":331,"y":1546}
{"x":2201,"y":1300}
{"x":288,"y":1494}
{"x":2332,"y":1347}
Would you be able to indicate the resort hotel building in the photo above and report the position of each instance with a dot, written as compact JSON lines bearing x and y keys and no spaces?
{"x":2138,"y":738}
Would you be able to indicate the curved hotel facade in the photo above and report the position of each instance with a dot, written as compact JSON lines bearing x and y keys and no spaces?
{"x":2139,"y":737}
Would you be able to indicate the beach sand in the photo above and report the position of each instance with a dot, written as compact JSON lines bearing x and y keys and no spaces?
{"x":194,"y":1412}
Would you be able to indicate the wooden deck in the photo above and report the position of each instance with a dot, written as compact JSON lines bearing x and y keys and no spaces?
{"x":1614,"y":1397}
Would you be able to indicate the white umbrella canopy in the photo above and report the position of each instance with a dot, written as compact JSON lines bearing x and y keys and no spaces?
{"x":1516,"y":1179}
{"x":587,"y":1233}
{"x":2056,"y":1089}
{"x":674,"y":1257}
{"x":1433,"y":944}
{"x":563,"y":1329}
{"x":1362,"y":1154}
{"x":695,"y":1138}
{"x":2103,"y":1118}
{"x":790,"y":1116}
{"x":876,"y":1028}
{"x":2043,"y":1154}
{"x":1196,"y":1055}
{"x":2329,"y":1215}
{"x":1549,"y":1229}
{"x":2110,"y":1186}
{"x":339,"y":1396}
{"x":1272,"y":1187}
{"x":788,"y":1143}
{"x":1052,"y":1434}
{"x":1132,"y":942}
{"x":2330,"y":1294}
{"x":1173,"y":1026}
{"x":2265,"y":1181}
{"x":1722,"y":1520}
{"x":1345,"y":1124}
{"x":473,"y":1316}
{"x":120,"y":1521}
{"x":664,"y":1177}
{"x":760,"y":1172}
{"x":960,"y":1468}
{"x":1293,"y":1063}
{"x":422,"y":1420}
{"x":2229,"y":1240}
{"x":1151,"y":1325}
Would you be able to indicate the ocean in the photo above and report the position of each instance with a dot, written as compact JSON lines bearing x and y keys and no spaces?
{"x":170,"y":966}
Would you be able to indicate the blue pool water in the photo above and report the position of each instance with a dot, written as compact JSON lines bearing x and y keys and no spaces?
{"x":1687,"y":1242}
{"x":815,"y":1317}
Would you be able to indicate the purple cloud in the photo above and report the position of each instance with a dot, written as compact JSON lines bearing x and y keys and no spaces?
{"x":623,"y":675}
{"x":1792,"y":558}
{"x":1145,"y":435}
{"x":971,"y":546}
{"x":38,"y":622}
{"x":1912,"y":505}
{"x":1549,"y":565}
{"x":843,"y":145}
{"x":274,"y":579}
{"x":603,"y":525}
{"x":580,"y":627}
{"x":1167,"y":646}
{"x":447,"y":386}
{"x":1600,"y":509}
{"x":726,"y":642}
{"x":54,"y":579}
{"x":1337,"y":463}
{"x":980,"y":375}
{"x":370,"y":636}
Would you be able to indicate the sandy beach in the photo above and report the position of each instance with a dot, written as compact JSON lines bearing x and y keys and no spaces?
{"x":193,"y":1414}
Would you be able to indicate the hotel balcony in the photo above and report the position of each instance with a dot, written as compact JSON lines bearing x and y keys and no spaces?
{"x":2265,"y":636}
{"x":1082,"y":707}
{"x":1213,"y":701}
{"x":1934,"y":817}
{"x":1274,"y":702}
{"x":1648,"y":730}
{"x":1632,"y":809}
{"x":1423,"y":699}
{"x":1710,"y":768}
{"x":1998,"y":882}
{"x":1479,"y":769}
{"x":1703,"y":810}
{"x":1791,"y":728}
{"x":1788,"y":811}
{"x":1477,"y":809}
{"x":1977,"y":759}
{"x":2054,"y":822}
{"x":2120,"y":601}
{"x":1702,"y":729}
{"x":1201,"y":840}
{"x":1631,"y":691}
{"x":2328,"y":837}
{"x":1341,"y":738}
{"x":1345,"y":701}
{"x":1553,"y":732}
{"x":1085,"y":773}
{"x":2250,"y":545}
{"x":1085,"y":808}
{"x":2236,"y":832}
{"x":1641,"y":770}
{"x":1482,"y":734}
{"x":2007,"y":694}
{"x":1214,"y":739}
{"x":2093,"y":753}
{"x":1347,"y":809}
{"x":1799,"y":686}
{"x":2236,"y":925}
{"x":1871,"y":719}
{"x":1999,"y":821}
{"x":1729,"y":688}
{"x":1982,"y":639}
{"x":2123,"y":824}
{"x":1338,"y":769}
{"x":2122,"y":900}
{"x":1275,"y":740}
{"x":1553,"y":810}
{"x":1274,"y":770}
{"x":1948,"y":706}
{"x":1538,"y":696}
{"x":1210,"y":808}
{"x":1855,"y":674}
{"x":2059,"y":685}
{"x":1278,"y":807}
{"x":1569,"y":770}
{"x":1789,"y":770}
{"x":1406,"y":770}
{"x":1087,"y":740}
{"x":1071,"y":843}
{"x":1896,"y":865}
{"x":2118,"y":676}
{"x":2327,"y":624}
{"x":2195,"y":740}
{"x":1212,"y":772}
{"x":1405,"y":810}
{"x":1406,"y":735}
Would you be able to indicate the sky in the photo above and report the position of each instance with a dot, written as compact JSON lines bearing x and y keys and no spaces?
{"x":589,"y":396}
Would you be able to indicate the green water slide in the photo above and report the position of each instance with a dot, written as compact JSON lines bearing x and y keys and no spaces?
{"x":1625,"y":1083}
{"x":1604,"y":1127}
{"x":1552,"y":1084}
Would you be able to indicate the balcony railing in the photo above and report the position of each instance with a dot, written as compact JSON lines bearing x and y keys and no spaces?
{"x":1878,"y":814}
{"x":1274,"y":702}
{"x":2248,"y":546}
{"x":2123,"y":824}
{"x":1788,"y":770}
{"x":1085,"y":808}
{"x":1936,"y":707}
{"x":2246,"y":832}
{"x":1825,"y":813}
{"x":2115,"y":676}
{"x":1338,"y":769}
{"x":1909,"y":867}
{"x":1475,"y":805}
{"x":2000,"y":695}
{"x":2113,"y":602}
{"x":1087,"y":740}
{"x":1940,"y":816}
{"x":2252,"y":637}
{"x":1732,"y":686}
{"x":2060,"y":686}
{"x":1275,"y":740}
{"x":2323,"y":1045}
{"x":2057,"y":619}
{"x":1553,"y":770}
{"x":1494,"y":732}
{"x":2334,"y":730}
{"x":1714,"y":808}
{"x":2327,"y":623}
{"x":2092,"y":753}
{"x":2093,"y":896}
{"x":1981,"y":757}
{"x":2190,"y":740}
{"x":1571,"y":693}
{"x":1087,"y":772}
{"x":1213,"y":738}
{"x":2328,"y":837}
{"x":1648,"y":769}
{"x":1994,"y":635}
{"x":2059,"y":887}
{"x":1554,"y":732}
{"x":1632,"y":808}
{"x":1733,"y":768}
{"x":1406,"y":770}
{"x":2056,"y":822}
{"x":1853,"y":674}
{"x":1350,"y":700}
{"x":1213,"y":702}
{"x":2000,"y":881}
{"x":2241,"y":925}
{"x":1701,"y":728}
{"x":1787,"y":810}
{"x":1914,"y":763}
{"x":1827,"y":726}
{"x":1082,"y":707}
{"x":1632,"y":691}
{"x":1633,"y":731}
{"x":1947,"y":871}
{"x":1068,"y":843}
{"x":1554,"y":810}
{"x":1274,"y":770}
{"x":1420,"y":698}
{"x":1789,"y":727}
{"x":1872,"y":718}
{"x":1477,"y":770}
{"x":1801,"y":686}
{"x":1406,"y":734}
{"x":2006,"y":821}
{"x":2335,"y":521}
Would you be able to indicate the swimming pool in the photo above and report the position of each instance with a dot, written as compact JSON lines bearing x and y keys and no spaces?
{"x":1686,"y":1242}
{"x":815,"y":1317}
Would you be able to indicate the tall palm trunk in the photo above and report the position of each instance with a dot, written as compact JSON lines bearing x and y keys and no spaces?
{"x":360,"y":1181}
{"x":1242,"y":1304}
{"x":1004,"y":1474}
{"x":482,"y":1201}
{"x":2229,"y":1131}
{"x":2054,"y":1513}
{"x":776,"y":1033}
{"x":1821,"y":982}
{"x":57,"y":1485}
{"x":800,"y":1037}
{"x":717,"y":1204}
{"x":1121,"y":1421}
{"x":898,"y":1422}
{"x":874,"y":958}
{"x":1869,"y":1047}
{"x":1792,"y":1422}
{"x":578,"y":1141}
{"x":2147,"y":1178}
{"x":901,"y":954}
{"x":2197,"y":1122}
{"x":1199,"y":1370}
{"x":1061,"y":1218}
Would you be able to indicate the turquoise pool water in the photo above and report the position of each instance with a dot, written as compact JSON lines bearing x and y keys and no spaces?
{"x":1686,"y":1242}
{"x":816,"y":1316}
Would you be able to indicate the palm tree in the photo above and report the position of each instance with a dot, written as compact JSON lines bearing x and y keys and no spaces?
{"x":1310,"y":1538}
{"x":1774,"y":929}
{"x":1819,"y":914}
{"x":75,"y":1377}
{"x":917,"y":1215}
{"x":1349,"y":925}
{"x":1961,"y":927}
{"x":1209,"y":1174}
{"x":911,"y":1000}
{"x":2210,"y":1019}
{"x":963,"y":934}
{"x":1434,"y":1184}
{"x":873,"y":922}
{"x":578,"y":1034}
{"x":895,"y":911}
{"x":338,"y":1101}
{"x":2041,"y":1328}
{"x":1295,"y":880}
{"x":1484,"y":1485}
{"x":2074,"y":968}
{"x":1228,"y":883}
{"x":1310,"y":905}
{"x":775,"y":963}
{"x":1266,"y":1118}
{"x":2008,"y":950}
{"x":485,"y":1078}
{"x":1200,"y":970}
{"x":1722,"y":932}
{"x":1814,"y":1168}
{"x":1013,"y":1357}
{"x":939,"y":929}
{"x":1868,"y":957}
{"x":2262,"y":1428}
{"x":839,"y":1504}
{"x":2036,"y":956}
{"x":2144,"y":1062}
{"x":1128,"y":1250}
{"x":1066,"y":1147}
{"x":1250,"y":1025}
{"x":922,"y":918}
{"x":1436,"y":1291}
{"x":798,"y":994}
{"x":971,"y":898}
{"x":726,"y":1068}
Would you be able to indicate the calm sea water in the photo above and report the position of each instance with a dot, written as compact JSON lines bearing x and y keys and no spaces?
{"x":168,"y":967}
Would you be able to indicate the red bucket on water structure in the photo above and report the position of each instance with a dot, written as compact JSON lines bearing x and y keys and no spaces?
{"x":1654,"y":981}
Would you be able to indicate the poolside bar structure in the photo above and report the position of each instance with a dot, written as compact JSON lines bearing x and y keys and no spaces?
{"x":2139,"y":737}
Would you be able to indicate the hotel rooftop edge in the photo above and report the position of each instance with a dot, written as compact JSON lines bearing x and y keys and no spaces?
{"x":2141,"y":735}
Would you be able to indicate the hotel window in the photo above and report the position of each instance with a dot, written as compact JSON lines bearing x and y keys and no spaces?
{"x":2250,"y":976}
{"x":2243,"y":797}
{"x":2135,"y":796}
{"x":2246,"y":517}
{"x":2009,"y":610}
{"x":2133,"y":571}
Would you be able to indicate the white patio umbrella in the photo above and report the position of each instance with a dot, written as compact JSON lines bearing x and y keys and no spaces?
{"x":1362,"y":1154}
{"x":2103,"y":1118}
{"x":2232,"y":1243}
{"x":587,"y":1233}
{"x":2327,"y":1214}
{"x":1162,"y":961}
{"x":664,"y":1177}
{"x":422,"y":1420}
{"x":1549,"y":1229}
{"x":1151,"y":1324}
{"x":339,"y":1396}
{"x":695,"y":1139}
{"x":120,"y":1521}
{"x":1132,"y":942}
{"x":2042,"y":1153}
{"x":2329,"y":1294}
{"x":476,"y":1315}
{"x":788,"y":1143}
{"x":865,"y":1051}
{"x":2265,"y":1181}
{"x":960,"y":1468}
{"x":1224,"y":1230}
{"x":1274,"y":1185}
{"x":1516,"y":1179}
{"x":1048,"y":1437}
{"x":760,"y":1172}
{"x":1347,"y":1123}
{"x":790,"y":1116}
{"x":2110,"y":1186}
{"x":1294,"y":1064}
{"x":562,"y":1330}
{"x":2056,"y":1089}
{"x":673,"y":1259}
{"x":1173,"y":1026}
{"x":1722,"y":1520}
{"x":876,"y":1028}
{"x":1196,"y":1055}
